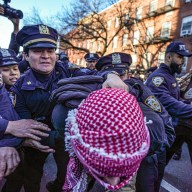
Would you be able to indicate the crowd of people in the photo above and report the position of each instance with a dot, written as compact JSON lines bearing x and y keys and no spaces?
{"x":106,"y":129}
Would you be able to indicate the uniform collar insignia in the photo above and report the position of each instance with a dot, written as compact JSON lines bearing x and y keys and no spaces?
{"x":157,"y":81}
{"x":28,"y":82}
{"x":153,"y":103}
{"x":12,"y":97}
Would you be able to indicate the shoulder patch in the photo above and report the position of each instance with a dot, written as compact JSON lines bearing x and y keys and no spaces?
{"x":153,"y":103}
{"x":188,"y":94}
{"x":157,"y":81}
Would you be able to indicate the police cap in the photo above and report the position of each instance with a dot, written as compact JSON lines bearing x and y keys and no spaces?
{"x":179,"y":48}
{"x":7,"y":57}
{"x":116,"y":60}
{"x":91,"y":57}
{"x":34,"y":36}
{"x":63,"y":56}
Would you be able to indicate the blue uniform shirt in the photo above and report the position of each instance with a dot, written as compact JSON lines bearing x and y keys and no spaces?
{"x":164,"y":133}
{"x":33,"y":91}
{"x":165,"y":87}
{"x":7,"y":113}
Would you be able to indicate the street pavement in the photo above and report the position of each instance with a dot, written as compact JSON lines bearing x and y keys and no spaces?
{"x":178,"y":174}
{"x":177,"y":178}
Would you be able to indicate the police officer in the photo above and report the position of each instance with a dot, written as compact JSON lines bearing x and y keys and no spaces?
{"x":12,"y":130}
{"x":33,"y":90}
{"x":163,"y":84}
{"x":91,"y":59}
{"x":186,"y":94}
{"x":151,"y":171}
{"x":9,"y":157}
{"x":12,"y":135}
{"x":9,"y":75}
{"x":157,"y":119}
{"x":64,"y":59}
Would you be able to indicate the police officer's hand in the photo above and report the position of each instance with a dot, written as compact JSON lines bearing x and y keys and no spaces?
{"x":37,"y":145}
{"x":27,"y":128}
{"x":114,"y":81}
{"x":9,"y":159}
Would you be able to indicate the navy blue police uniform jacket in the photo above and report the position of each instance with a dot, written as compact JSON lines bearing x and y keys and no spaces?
{"x":158,"y":120}
{"x":156,"y":117}
{"x":7,"y":113}
{"x":33,"y":92}
{"x":164,"y":86}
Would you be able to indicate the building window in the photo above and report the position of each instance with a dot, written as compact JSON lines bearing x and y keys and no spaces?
{"x":186,"y":27}
{"x":99,"y":46}
{"x":153,"y":5}
{"x":79,"y":44}
{"x":136,"y":36}
{"x":139,"y":13}
{"x":94,"y":47}
{"x":161,"y":58}
{"x":134,"y":61}
{"x":149,"y":34}
{"x":125,"y":40}
{"x":114,"y":43}
{"x":116,"y":22}
{"x":126,"y":19}
{"x":108,"y":24}
{"x":80,"y":62}
{"x":170,"y":2}
{"x":166,"y":29}
{"x":147,"y":60}
{"x":88,"y":45}
{"x":127,"y":16}
{"x":184,"y":66}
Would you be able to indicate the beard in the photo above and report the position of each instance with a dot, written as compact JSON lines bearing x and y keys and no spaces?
{"x":176,"y":68}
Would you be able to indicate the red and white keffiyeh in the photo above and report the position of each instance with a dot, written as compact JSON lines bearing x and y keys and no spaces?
{"x":108,"y":136}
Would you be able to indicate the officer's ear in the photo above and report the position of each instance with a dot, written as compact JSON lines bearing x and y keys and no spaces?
{"x":168,"y":57}
{"x":27,"y":57}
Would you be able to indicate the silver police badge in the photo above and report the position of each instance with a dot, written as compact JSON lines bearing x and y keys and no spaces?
{"x":188,"y":94}
{"x":153,"y":103}
{"x":5,"y":53}
{"x":116,"y":58}
{"x":157,"y":81}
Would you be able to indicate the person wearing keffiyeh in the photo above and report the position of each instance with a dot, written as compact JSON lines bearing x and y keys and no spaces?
{"x":106,"y":138}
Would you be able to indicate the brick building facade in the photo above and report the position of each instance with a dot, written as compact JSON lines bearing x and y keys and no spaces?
{"x":148,"y":27}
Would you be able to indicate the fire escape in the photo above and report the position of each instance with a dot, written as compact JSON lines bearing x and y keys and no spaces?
{"x":156,"y":38}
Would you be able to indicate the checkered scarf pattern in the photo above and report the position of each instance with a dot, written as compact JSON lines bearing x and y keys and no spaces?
{"x":108,"y":135}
